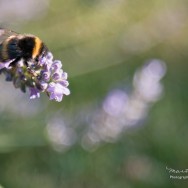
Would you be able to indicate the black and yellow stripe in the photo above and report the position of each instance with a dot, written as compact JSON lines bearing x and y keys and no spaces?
{"x":18,"y":46}
{"x":37,"y":47}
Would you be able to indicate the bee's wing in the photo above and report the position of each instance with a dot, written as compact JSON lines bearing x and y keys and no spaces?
{"x":5,"y":33}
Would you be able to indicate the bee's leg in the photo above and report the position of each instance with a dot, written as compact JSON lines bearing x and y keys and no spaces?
{"x":26,"y":63}
{"x":15,"y":61}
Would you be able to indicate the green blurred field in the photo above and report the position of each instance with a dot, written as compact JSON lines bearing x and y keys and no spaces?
{"x":101,"y":44}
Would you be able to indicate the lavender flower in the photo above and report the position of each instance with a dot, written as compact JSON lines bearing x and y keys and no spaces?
{"x":45,"y":76}
{"x":56,"y":91}
{"x":34,"y":93}
{"x":5,"y":64}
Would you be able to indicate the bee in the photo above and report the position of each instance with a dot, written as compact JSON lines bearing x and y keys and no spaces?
{"x":15,"y":47}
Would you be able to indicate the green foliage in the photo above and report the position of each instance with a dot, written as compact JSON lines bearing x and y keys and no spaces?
{"x":101,"y":45}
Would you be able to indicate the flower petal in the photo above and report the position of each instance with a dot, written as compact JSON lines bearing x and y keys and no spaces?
{"x":34,"y":93}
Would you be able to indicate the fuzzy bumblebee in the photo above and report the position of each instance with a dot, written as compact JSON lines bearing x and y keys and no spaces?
{"x":14,"y":46}
{"x":25,"y":60}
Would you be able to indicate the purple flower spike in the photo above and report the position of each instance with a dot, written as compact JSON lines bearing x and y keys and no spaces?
{"x":2,"y":65}
{"x":64,"y":76}
{"x":43,"y":85}
{"x":64,"y":83}
{"x":6,"y":64}
{"x":49,"y":56}
{"x":47,"y":65}
{"x":45,"y":75}
{"x":42,"y":61}
{"x":8,"y":77}
{"x":57,"y":75}
{"x":34,"y":93}
{"x":56,"y":91}
{"x":56,"y":65}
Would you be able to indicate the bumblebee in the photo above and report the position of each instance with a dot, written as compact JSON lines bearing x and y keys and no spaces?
{"x":15,"y":46}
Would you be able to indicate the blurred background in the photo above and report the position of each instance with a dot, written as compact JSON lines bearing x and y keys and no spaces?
{"x":125,"y":123}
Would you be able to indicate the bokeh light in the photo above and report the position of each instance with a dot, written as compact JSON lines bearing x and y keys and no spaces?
{"x":125,"y":120}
